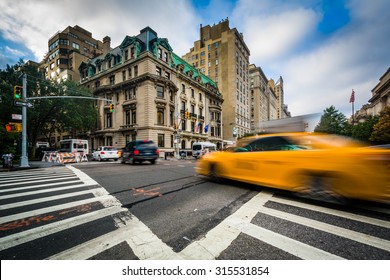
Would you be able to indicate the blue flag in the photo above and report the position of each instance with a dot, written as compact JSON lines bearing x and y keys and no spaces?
{"x":206,"y":128}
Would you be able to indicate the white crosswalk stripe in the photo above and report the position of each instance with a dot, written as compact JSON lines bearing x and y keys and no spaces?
{"x":220,"y":238}
{"x":37,"y":187}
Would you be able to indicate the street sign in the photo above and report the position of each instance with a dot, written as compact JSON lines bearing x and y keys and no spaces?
{"x":17,"y":117}
{"x":23,"y":104}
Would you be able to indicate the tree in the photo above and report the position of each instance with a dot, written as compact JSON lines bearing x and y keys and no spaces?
{"x":8,"y":79}
{"x":48,"y":115}
{"x":333,"y":122}
{"x":381,"y":131}
{"x":362,"y":131}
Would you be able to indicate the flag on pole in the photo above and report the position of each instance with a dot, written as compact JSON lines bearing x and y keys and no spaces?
{"x":206,"y":128}
{"x":197,"y":127}
{"x":352,"y":98}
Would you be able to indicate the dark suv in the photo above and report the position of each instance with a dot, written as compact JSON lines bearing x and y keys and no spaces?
{"x":139,"y":151}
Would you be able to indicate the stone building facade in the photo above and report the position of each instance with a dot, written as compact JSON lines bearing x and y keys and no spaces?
{"x":67,"y":49}
{"x":222,"y":55}
{"x":151,"y":89}
{"x":267,"y":99}
{"x":380,"y":99}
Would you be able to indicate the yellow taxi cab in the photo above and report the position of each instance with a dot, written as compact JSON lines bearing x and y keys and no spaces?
{"x":317,"y":165}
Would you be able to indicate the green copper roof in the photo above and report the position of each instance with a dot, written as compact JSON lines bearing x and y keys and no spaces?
{"x":188,"y":67}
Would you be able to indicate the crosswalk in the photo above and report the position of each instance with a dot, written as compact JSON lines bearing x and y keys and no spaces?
{"x":36,"y":205}
{"x":61,"y":213}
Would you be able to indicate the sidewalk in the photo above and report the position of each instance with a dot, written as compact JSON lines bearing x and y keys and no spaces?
{"x":33,"y":164}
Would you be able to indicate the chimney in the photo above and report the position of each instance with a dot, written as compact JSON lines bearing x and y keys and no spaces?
{"x":106,"y":44}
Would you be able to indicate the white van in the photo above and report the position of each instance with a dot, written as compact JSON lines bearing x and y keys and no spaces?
{"x":74,"y":146}
{"x":201,"y":148}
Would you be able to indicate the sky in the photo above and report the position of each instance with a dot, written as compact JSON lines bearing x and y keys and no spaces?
{"x":322,"y":49}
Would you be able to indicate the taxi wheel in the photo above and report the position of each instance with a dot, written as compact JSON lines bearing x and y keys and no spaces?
{"x":99,"y":159}
{"x":214,"y":173}
{"x":321,"y":188}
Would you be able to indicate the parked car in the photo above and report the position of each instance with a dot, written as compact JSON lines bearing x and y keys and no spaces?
{"x":105,"y":153}
{"x":315,"y":165}
{"x":139,"y":151}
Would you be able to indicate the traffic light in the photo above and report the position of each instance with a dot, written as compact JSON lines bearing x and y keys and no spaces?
{"x":18,"y":92}
{"x":187,"y":115}
{"x":13,"y":127}
{"x":112,"y":109}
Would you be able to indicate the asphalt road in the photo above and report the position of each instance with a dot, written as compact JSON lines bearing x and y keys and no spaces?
{"x":181,"y":207}
{"x":113,"y":211}
{"x":175,"y":203}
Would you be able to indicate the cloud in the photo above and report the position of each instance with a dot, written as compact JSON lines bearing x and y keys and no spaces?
{"x":14,"y":52}
{"x":318,"y":70}
{"x":34,"y":22}
{"x":353,"y":58}
{"x":284,"y":38}
{"x":273,"y":36}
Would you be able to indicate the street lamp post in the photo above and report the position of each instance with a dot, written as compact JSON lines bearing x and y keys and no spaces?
{"x":24,"y":158}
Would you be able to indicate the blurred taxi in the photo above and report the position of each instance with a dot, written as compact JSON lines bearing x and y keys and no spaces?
{"x":317,"y":165}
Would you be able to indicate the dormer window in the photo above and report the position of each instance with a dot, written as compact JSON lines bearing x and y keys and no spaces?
{"x":132,"y":52}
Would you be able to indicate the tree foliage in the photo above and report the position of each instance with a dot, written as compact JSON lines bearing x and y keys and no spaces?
{"x":48,"y":115}
{"x":362,"y":131}
{"x":333,"y":122}
{"x":381,"y":131}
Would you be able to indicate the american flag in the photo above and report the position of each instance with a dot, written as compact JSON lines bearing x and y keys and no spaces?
{"x":352,"y":98}
{"x":197,"y":127}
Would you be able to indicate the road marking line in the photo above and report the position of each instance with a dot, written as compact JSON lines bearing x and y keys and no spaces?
{"x":33,"y":175}
{"x":44,"y":191}
{"x":39,"y":232}
{"x":42,"y":171}
{"x":345,"y":233}
{"x":83,"y":177}
{"x":39,"y":181}
{"x":76,"y":182}
{"x":221,"y":236}
{"x":338,"y":213}
{"x":33,"y":179}
{"x":292,"y":246}
{"x":144,"y":243}
{"x":107,"y":201}
{"x":44,"y":199}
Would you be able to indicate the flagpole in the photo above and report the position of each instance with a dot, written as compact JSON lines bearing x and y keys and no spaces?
{"x":353,"y":113}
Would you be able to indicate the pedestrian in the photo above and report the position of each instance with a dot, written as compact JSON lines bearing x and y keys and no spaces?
{"x":7,"y":160}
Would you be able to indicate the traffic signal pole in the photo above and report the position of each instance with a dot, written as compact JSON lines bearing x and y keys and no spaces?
{"x":24,"y":157}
